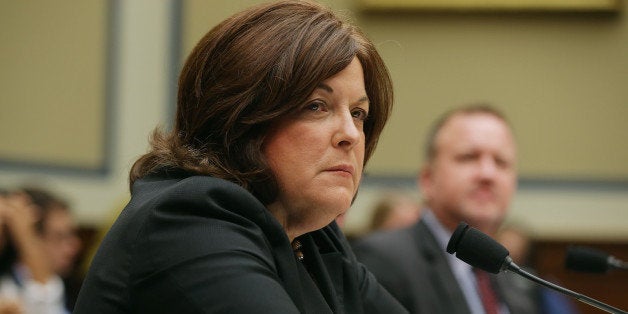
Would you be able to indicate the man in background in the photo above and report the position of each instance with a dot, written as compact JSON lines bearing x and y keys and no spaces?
{"x":469,"y":175}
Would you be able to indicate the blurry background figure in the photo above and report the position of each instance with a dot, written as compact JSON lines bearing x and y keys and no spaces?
{"x":61,"y":243}
{"x":27,"y":281}
{"x":516,"y":239}
{"x":393,"y":211}
{"x":469,"y":174}
{"x":38,"y":247}
{"x":57,"y":228}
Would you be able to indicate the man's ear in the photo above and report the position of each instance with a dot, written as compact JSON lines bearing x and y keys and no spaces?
{"x":424,"y":181}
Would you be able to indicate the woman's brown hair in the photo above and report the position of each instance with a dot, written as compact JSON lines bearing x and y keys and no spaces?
{"x":252,"y":69}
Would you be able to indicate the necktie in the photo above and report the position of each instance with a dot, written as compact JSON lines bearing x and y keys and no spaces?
{"x":487,"y":294}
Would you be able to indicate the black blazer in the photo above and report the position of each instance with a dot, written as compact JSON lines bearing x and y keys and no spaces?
{"x":197,"y":244}
{"x":413,"y":267}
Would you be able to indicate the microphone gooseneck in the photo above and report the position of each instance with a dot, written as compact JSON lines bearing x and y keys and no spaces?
{"x":479,"y":250}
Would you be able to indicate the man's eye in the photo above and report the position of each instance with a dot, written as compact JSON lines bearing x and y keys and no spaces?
{"x":502,"y":163}
{"x":466,"y":157}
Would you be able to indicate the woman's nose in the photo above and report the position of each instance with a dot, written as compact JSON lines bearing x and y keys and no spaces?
{"x":348,"y":132}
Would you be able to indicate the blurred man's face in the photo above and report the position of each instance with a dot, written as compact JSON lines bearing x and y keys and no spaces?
{"x":473,"y":175}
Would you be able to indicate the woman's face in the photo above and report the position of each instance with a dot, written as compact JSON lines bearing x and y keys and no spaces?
{"x":61,"y":241}
{"x":317,"y":155}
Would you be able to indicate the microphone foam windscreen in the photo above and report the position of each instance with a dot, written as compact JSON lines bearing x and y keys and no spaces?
{"x":477,"y":249}
{"x":586,"y":260}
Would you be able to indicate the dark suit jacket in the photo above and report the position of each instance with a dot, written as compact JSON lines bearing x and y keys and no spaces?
{"x":196,"y":244}
{"x":413,"y":267}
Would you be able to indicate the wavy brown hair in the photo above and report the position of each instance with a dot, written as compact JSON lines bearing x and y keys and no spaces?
{"x":254,"y":68}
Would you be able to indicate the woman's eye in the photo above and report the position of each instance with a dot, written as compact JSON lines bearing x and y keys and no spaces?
{"x":360,"y":114}
{"x":315,"y":106}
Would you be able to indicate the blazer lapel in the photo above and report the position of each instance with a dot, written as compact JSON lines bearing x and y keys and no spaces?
{"x":323,"y":267}
{"x":288,"y":271}
{"x":332,"y":271}
{"x":441,"y":277}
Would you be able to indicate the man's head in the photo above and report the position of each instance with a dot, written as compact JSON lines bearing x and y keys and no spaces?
{"x":470,"y":169}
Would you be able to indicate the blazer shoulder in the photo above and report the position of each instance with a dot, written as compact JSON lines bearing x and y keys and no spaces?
{"x":200,"y":215}
{"x":199,"y":196}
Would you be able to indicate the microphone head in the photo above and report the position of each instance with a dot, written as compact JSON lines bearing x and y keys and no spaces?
{"x":586,"y":259}
{"x":477,"y":249}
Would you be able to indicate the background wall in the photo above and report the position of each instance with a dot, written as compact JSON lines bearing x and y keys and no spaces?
{"x":560,"y":77}
{"x":138,"y":87}
{"x":53,"y":80}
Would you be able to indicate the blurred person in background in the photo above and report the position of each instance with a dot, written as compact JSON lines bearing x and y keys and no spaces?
{"x":28,"y":280}
{"x":469,"y":175}
{"x":58,"y":231}
{"x":394,"y":211}
{"x":516,"y":239}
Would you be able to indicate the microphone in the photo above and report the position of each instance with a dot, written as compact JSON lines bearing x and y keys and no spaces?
{"x":481,"y":251}
{"x":589,"y":260}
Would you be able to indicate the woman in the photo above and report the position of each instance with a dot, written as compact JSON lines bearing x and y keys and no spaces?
{"x":279,"y":108}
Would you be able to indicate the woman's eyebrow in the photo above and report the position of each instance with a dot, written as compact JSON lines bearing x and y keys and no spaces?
{"x":363,"y":99}
{"x":330,"y":90}
{"x":325,"y":87}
